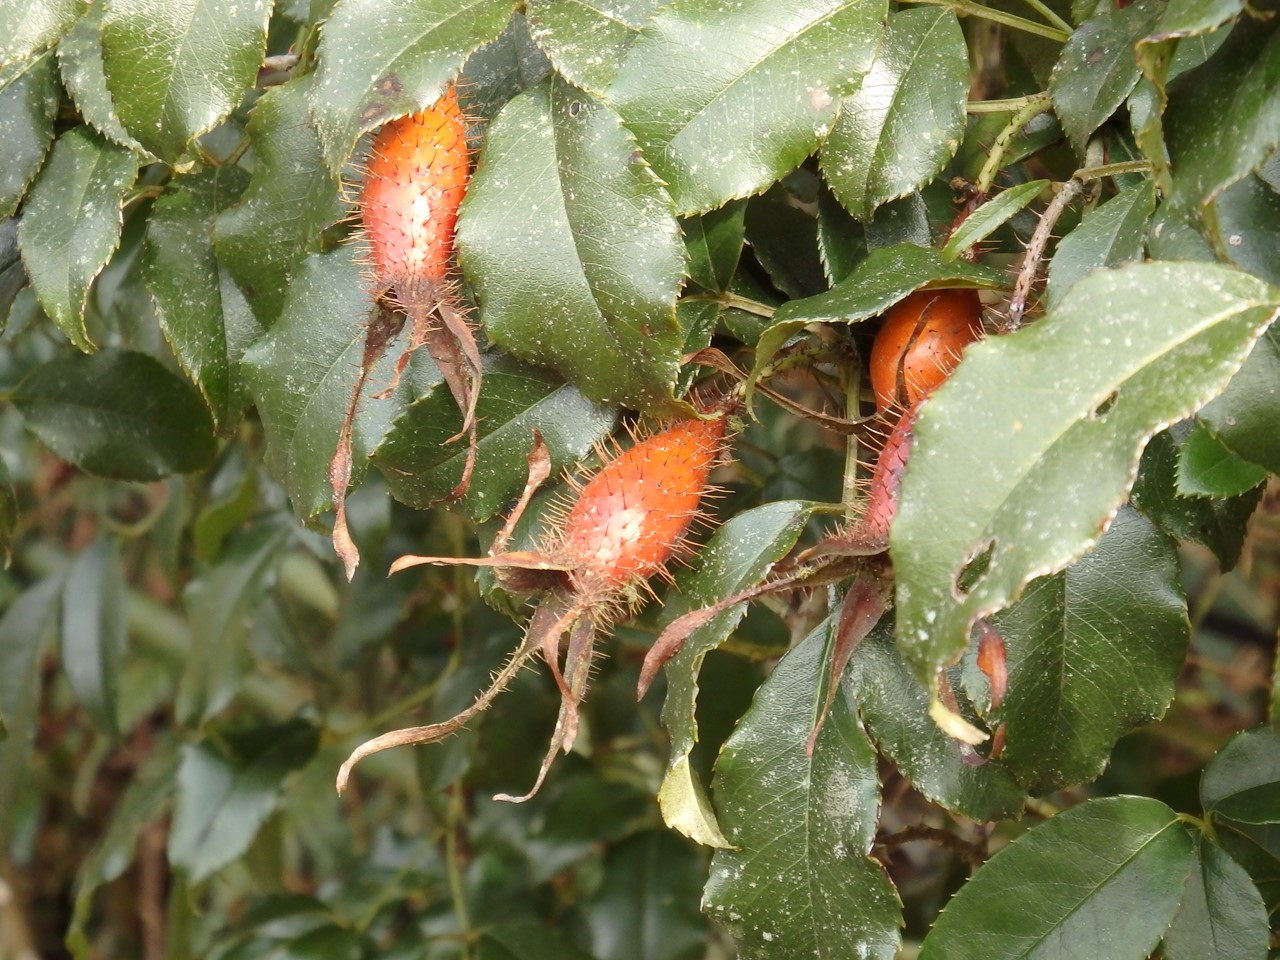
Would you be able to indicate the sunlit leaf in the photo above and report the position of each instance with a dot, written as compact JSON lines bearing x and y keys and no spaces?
{"x":85,"y":77}
{"x":28,"y":102}
{"x":29,"y":25}
{"x":586,"y":39}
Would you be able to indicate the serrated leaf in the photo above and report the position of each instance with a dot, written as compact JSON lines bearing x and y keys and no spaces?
{"x":587,"y":39}
{"x":13,"y":277}
{"x":1188,"y":18}
{"x":1098,"y":68}
{"x":223,"y":800}
{"x":989,"y":217}
{"x":1101,"y":880}
{"x":146,"y":798}
{"x":798,"y":881}
{"x":28,"y":103}
{"x":906,"y":120}
{"x":1223,"y":119}
{"x":573,"y":250}
{"x":842,"y":240}
{"x":421,"y":467}
{"x":382,"y":59}
{"x":1030,"y":446}
{"x":1092,"y":652}
{"x":713,"y":245}
{"x":24,"y":628}
{"x":1242,"y":781}
{"x":1244,"y":417}
{"x":1247,"y":226}
{"x":1113,"y":233}
{"x":1222,"y":916}
{"x":177,"y":70}
{"x":117,"y":413}
{"x":725,"y":99}
{"x":739,"y":555}
{"x":92,"y":631}
{"x":85,"y":77}
{"x":1207,"y":468}
{"x":783,"y":234}
{"x":895,"y":709}
{"x":884,"y":277}
{"x":27,"y":26}
{"x":182,"y":273}
{"x":292,"y":197}
{"x":302,"y":404}
{"x":71,"y":224}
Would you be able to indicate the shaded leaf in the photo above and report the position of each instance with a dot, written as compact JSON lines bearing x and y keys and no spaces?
{"x":421,"y":467}
{"x":1111,"y":234}
{"x":180,"y":270}
{"x":71,"y":224}
{"x":1028,"y":449}
{"x":1257,"y":849}
{"x":1092,"y":652}
{"x":739,"y":555}
{"x":28,"y":102}
{"x":1247,"y":225}
{"x":30,"y":25}
{"x":1244,"y":417}
{"x":8,"y":523}
{"x":85,"y":77}
{"x":117,"y":413}
{"x":783,"y":234}
{"x":1242,"y":781}
{"x":842,"y":240}
{"x":177,"y":70}
{"x":573,"y":250}
{"x":1101,"y":880}
{"x":895,"y":709}
{"x":715,"y":95}
{"x":224,"y":798}
{"x":989,"y":217}
{"x":713,"y":245}
{"x":525,"y":941}
{"x":798,"y":881}
{"x":292,"y":197}
{"x":906,"y":120}
{"x":1222,"y":916}
{"x":382,"y":59}
{"x":92,"y":631}
{"x":586,"y":39}
{"x":13,"y":278}
{"x":1207,"y":468}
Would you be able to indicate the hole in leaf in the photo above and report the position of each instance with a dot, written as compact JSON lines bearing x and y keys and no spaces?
{"x":974,"y":570}
{"x":1105,"y":406}
{"x":575,"y":107}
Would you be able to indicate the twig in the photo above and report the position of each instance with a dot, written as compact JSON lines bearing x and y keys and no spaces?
{"x":1034,"y":106}
{"x":1035,"y":251}
{"x":974,"y":853}
{"x":967,"y":8}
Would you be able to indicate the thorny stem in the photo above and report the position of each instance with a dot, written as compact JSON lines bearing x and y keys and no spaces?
{"x":1035,"y":250}
{"x":975,"y":853}
{"x":968,"y":8}
{"x":1034,"y":106}
{"x":853,"y":401}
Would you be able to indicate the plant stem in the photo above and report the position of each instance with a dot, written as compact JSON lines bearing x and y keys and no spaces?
{"x":1034,"y":106}
{"x":457,"y":816}
{"x":1112,"y":169}
{"x":733,"y":300}
{"x":1047,"y":12}
{"x":1009,"y":105}
{"x":970,"y":9}
{"x":1035,"y":250}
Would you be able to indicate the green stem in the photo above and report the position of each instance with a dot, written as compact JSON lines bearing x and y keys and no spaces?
{"x":970,"y":9}
{"x":1009,"y":105}
{"x":733,"y":300}
{"x":852,"y":409}
{"x":1047,"y":12}
{"x":1113,"y":169}
{"x":1035,"y":105}
{"x":456,"y":818}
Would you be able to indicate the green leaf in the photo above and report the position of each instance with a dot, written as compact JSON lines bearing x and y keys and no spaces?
{"x":1207,"y":468}
{"x":382,"y":59}
{"x":220,"y":604}
{"x":1028,"y":449}
{"x":25,"y":626}
{"x":1189,"y":18}
{"x":1098,"y":68}
{"x":1242,"y":781}
{"x":883,"y":278}
{"x":1092,"y":652}
{"x":180,"y":270}
{"x":1218,"y":524}
{"x":906,"y":120}
{"x":71,"y":224}
{"x":13,"y":278}
{"x":525,"y":941}
{"x":92,"y":631}
{"x":725,"y":99}
{"x":118,"y":414}
{"x":895,"y":708}
{"x":302,"y":405}
{"x":1223,"y":119}
{"x":842,"y":240}
{"x":290,"y":200}
{"x":713,"y":244}
{"x":422,"y":468}
{"x":223,"y":799}
{"x":177,"y":70}
{"x":647,"y":906}
{"x":573,"y":250}
{"x":798,"y":881}
{"x":85,"y":77}
{"x":737,"y":557}
{"x":27,"y":26}
{"x":146,"y":798}
{"x":586,"y":39}
{"x":783,"y":234}
{"x":327,"y":942}
{"x":1222,"y":916}
{"x":8,"y":523}
{"x":1101,"y":880}
{"x":1247,"y":226}
{"x":28,"y":103}
{"x":1244,"y":417}
{"x":1111,"y":234}
{"x":989,"y":217}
